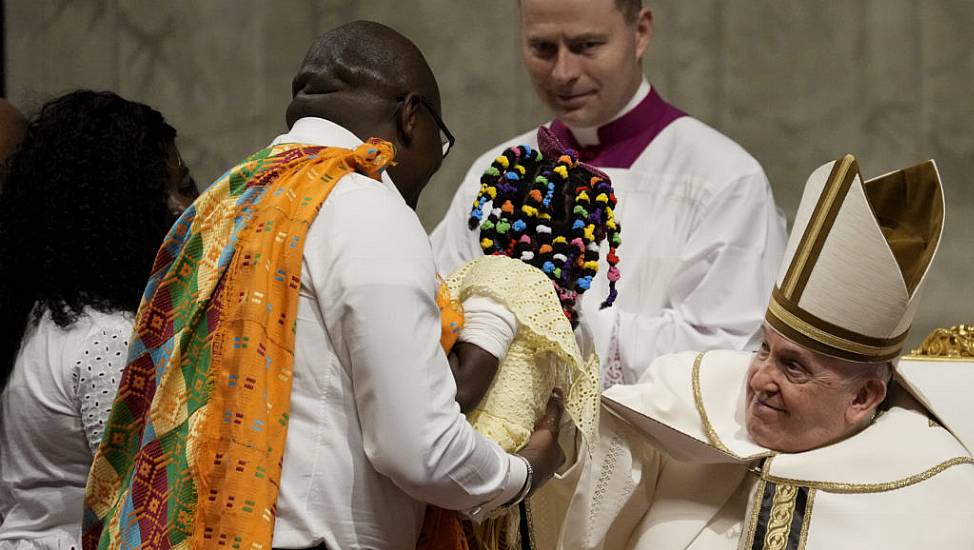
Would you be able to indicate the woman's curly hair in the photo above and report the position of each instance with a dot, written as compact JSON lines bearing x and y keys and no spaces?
{"x":82,"y":212}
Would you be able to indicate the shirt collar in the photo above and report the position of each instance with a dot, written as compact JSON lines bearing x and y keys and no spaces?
{"x":318,"y":131}
{"x":622,"y":140}
{"x":325,"y":133}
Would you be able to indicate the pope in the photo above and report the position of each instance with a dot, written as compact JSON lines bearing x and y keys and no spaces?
{"x":819,"y":440}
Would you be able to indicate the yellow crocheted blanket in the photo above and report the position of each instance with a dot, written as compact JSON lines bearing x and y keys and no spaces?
{"x":543,"y":355}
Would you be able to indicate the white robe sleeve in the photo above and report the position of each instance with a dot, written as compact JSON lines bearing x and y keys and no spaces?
{"x":488,"y":325}
{"x":719,"y":294}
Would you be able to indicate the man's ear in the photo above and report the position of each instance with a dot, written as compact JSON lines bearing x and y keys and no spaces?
{"x":407,"y":118}
{"x":644,"y":31}
{"x":871,"y":392}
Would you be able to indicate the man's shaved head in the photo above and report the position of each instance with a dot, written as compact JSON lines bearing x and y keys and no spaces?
{"x":361,"y":57}
{"x":374,"y":82}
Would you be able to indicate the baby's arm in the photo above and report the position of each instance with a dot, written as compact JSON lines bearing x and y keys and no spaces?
{"x":488,"y":330}
{"x":473,"y":369}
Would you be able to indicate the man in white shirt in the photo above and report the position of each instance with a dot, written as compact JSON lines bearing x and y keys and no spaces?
{"x":702,"y":235}
{"x":375,"y":431}
{"x":319,"y":298}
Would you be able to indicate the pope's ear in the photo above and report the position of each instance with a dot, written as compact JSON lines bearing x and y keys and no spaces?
{"x":870,"y":393}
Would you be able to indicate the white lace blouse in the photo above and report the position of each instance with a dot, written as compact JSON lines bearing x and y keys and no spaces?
{"x":52,"y":415}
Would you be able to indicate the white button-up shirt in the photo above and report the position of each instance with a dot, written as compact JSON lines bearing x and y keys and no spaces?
{"x":375,"y":430}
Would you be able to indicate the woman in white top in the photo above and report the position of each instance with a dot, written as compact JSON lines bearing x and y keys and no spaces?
{"x":91,"y":192}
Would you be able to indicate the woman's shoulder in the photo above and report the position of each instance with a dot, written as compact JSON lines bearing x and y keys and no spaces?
{"x":97,"y":333}
{"x":86,"y":322}
{"x":91,"y":331}
{"x":93,"y":320}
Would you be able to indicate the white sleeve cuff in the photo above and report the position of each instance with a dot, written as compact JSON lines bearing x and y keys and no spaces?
{"x":488,"y":325}
{"x":517,"y":475}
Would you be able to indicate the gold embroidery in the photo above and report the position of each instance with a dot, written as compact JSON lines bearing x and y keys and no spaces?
{"x":747,"y":538}
{"x":857,"y":488}
{"x":780,"y":517}
{"x":807,"y":520}
{"x":832,"y":340}
{"x":698,"y":401}
{"x":815,"y":225}
{"x":779,"y":520}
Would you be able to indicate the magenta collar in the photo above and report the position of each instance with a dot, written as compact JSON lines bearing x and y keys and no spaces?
{"x":625,"y":138}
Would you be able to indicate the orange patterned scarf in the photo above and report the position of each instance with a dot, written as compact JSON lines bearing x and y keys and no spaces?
{"x":192,"y":453}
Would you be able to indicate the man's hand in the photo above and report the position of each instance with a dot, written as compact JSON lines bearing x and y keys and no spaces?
{"x":542,"y":449}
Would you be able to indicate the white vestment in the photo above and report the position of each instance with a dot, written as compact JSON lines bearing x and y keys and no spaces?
{"x":681,"y":473}
{"x":701,"y":242}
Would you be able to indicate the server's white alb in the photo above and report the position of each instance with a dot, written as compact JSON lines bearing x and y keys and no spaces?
{"x":701,"y":240}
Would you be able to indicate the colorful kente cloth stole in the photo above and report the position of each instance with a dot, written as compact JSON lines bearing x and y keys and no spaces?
{"x":192,"y":453}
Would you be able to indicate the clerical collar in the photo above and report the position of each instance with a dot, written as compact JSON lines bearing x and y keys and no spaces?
{"x":587,"y":136}
{"x":618,"y":143}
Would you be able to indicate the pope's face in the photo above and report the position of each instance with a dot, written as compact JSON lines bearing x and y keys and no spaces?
{"x":798,"y":399}
{"x":583,"y":56}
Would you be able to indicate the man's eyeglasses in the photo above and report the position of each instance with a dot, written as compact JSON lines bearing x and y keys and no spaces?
{"x":446,"y":138}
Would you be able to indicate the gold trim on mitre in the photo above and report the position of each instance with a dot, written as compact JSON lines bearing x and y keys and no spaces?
{"x":907,"y":207}
{"x":819,"y":335}
{"x":844,"y":171}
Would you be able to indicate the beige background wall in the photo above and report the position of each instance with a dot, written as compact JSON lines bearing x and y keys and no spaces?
{"x":797,"y":83}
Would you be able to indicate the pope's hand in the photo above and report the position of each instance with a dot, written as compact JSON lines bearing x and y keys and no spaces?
{"x":542,"y":449}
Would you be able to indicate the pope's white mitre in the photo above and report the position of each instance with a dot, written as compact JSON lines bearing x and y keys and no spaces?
{"x":857,"y":259}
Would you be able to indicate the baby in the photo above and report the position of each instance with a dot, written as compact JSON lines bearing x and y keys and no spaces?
{"x":542,"y":217}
